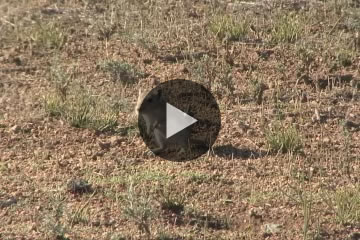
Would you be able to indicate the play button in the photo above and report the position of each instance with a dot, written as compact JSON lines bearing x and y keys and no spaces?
{"x":179,"y":120}
{"x":176,"y":120}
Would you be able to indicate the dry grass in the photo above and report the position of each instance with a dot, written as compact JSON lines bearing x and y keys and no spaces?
{"x":286,"y":76}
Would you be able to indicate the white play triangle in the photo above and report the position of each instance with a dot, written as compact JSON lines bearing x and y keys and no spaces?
{"x":176,"y":120}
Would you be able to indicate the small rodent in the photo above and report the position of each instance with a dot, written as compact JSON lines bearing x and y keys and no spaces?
{"x":152,"y":108}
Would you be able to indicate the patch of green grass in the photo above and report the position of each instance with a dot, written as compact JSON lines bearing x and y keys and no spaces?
{"x":287,"y":28}
{"x":48,"y":35}
{"x":77,"y":105}
{"x":344,"y":57}
{"x":82,"y":110}
{"x":117,"y":237}
{"x":82,"y":214}
{"x":87,"y":111}
{"x":3,"y":167}
{"x":81,"y":217}
{"x":226,"y":27}
{"x":121,"y":71}
{"x":307,"y":55}
{"x":258,"y":198}
{"x":78,"y":110}
{"x":54,"y":106}
{"x":283,"y":139}
{"x":346,"y":203}
{"x":54,"y":224}
{"x":166,"y":236}
{"x":151,"y":176}
{"x":60,"y":78}
{"x":171,"y":200}
{"x":138,"y":209}
{"x":257,"y":88}
{"x":198,"y":178}
{"x":106,"y":30}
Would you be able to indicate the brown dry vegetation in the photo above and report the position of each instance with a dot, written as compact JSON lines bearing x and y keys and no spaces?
{"x":287,"y":79}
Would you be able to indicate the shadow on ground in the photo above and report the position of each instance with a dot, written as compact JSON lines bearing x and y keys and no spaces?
{"x":229,"y":151}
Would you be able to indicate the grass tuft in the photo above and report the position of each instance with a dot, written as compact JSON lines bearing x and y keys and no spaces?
{"x":347,"y":206}
{"x":171,"y":201}
{"x":138,"y":209}
{"x":286,"y":29}
{"x":121,"y":71}
{"x":81,"y":109}
{"x":54,"y":224}
{"x":48,"y":35}
{"x":281,"y":139}
{"x":226,"y":27}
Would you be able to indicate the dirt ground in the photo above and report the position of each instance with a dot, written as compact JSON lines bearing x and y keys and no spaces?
{"x":286,"y":75}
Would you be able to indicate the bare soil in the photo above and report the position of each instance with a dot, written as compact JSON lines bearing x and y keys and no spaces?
{"x":293,"y":64}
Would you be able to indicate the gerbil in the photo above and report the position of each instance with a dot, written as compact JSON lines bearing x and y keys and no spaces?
{"x":152,"y":108}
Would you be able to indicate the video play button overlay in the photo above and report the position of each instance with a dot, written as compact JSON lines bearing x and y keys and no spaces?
{"x":179,"y":120}
{"x":176,"y":120}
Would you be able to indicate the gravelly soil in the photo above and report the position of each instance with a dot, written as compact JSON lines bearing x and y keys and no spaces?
{"x":311,"y":84}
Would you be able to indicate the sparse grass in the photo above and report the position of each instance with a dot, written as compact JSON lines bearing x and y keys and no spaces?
{"x":196,"y":177}
{"x":202,"y":70}
{"x":48,"y":35}
{"x":306,"y":200}
{"x":258,"y":198}
{"x":54,"y":105}
{"x":170,"y":200}
{"x":82,"y":110}
{"x":117,"y":237}
{"x":216,"y":77}
{"x":257,"y":88}
{"x":60,"y":79}
{"x":243,"y":45}
{"x":228,"y":28}
{"x":344,"y":57}
{"x":138,"y":209}
{"x":54,"y":223}
{"x":82,"y":214}
{"x":307,"y":56}
{"x":106,"y":30}
{"x":346,"y":204}
{"x":224,"y":85}
{"x":77,"y":105}
{"x":286,"y":28}
{"x":207,"y":221}
{"x":151,"y":176}
{"x":283,"y":139}
{"x":165,"y":236}
{"x":121,"y":71}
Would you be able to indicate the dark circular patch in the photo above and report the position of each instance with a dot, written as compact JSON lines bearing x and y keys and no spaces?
{"x":179,"y":120}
